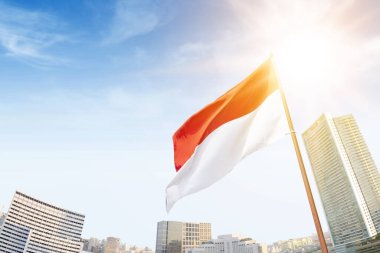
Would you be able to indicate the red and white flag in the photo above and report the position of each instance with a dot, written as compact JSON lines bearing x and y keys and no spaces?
{"x":212,"y":141}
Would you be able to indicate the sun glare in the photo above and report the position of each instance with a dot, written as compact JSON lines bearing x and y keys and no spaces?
{"x":305,"y":58}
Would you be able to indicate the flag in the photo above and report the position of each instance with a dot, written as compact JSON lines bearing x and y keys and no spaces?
{"x":212,"y":141}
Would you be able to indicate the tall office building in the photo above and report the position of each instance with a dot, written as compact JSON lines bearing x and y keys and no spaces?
{"x":176,"y":237}
{"x":347,"y":178}
{"x":33,"y":226}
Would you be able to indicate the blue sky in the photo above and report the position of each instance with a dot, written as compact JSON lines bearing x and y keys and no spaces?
{"x":91,"y":92}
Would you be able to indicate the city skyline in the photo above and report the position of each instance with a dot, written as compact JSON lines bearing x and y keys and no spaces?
{"x":91,"y":94}
{"x":203,"y":234}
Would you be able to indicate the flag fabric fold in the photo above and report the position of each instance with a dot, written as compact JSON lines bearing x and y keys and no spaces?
{"x":212,"y":141}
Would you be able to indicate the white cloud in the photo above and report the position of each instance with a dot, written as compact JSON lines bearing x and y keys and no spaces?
{"x":131,"y":18}
{"x":26,"y":35}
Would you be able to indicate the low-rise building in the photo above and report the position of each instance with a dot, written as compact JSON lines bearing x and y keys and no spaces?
{"x":135,"y":249}
{"x":300,"y":245}
{"x":231,"y":243}
{"x":112,"y":245}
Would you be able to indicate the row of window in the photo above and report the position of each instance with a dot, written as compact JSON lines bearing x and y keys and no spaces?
{"x":36,"y":228}
{"x":48,"y":220}
{"x":43,"y":238}
{"x":50,"y":214}
{"x":8,"y":244}
{"x":46,"y":204}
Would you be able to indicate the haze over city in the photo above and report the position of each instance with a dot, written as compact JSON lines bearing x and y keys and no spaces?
{"x":92,"y":92}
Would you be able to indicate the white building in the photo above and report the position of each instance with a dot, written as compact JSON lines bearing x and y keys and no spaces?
{"x":232,"y":243}
{"x":33,"y":226}
{"x":347,"y":178}
{"x":135,"y":249}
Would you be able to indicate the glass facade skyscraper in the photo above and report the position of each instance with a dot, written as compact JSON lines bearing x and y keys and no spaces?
{"x":347,"y":178}
{"x":33,"y":226}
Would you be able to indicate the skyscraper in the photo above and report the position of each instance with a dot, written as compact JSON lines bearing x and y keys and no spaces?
{"x":175,"y":236}
{"x":33,"y":226}
{"x":347,"y":178}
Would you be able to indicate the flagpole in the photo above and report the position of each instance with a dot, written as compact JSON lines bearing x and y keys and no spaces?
{"x":305,"y":179}
{"x":314,"y":212}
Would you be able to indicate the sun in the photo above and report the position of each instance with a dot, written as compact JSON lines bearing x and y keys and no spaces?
{"x":305,"y":58}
